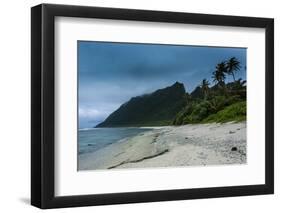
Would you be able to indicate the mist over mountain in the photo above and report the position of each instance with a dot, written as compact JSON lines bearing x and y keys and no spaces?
{"x":157,"y":108}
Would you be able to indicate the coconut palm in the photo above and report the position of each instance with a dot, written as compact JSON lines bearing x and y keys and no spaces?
{"x":233,"y":65}
{"x":219,"y":73}
{"x":205,"y":87}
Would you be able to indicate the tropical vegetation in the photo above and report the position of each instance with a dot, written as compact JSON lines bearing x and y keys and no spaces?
{"x":220,"y":103}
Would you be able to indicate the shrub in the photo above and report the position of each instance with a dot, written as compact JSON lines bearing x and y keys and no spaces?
{"x":235,"y":112}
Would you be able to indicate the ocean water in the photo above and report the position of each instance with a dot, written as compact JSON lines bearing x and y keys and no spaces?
{"x":93,"y":139}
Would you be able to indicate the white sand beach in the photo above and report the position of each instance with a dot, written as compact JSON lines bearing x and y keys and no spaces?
{"x":173,"y":146}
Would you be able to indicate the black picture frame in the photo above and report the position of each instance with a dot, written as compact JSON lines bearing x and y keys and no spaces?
{"x":43,"y":102}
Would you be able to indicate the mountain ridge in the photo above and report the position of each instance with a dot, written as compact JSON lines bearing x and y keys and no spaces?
{"x":156,"y":108}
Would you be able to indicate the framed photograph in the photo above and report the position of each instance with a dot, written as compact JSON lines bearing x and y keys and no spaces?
{"x":139,"y":106}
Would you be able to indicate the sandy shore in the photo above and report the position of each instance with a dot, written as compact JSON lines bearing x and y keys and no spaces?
{"x":188,"y":145}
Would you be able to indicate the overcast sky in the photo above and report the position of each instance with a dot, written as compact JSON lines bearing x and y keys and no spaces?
{"x":111,"y":73}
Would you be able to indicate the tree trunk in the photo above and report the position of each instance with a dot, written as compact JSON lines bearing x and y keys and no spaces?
{"x":233,"y":76}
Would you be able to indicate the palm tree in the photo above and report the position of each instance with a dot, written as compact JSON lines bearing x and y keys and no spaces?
{"x":232,"y":65}
{"x":205,"y":87}
{"x":219,"y":73}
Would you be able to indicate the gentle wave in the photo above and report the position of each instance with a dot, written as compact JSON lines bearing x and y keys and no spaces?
{"x":86,"y":129}
{"x":92,"y":139}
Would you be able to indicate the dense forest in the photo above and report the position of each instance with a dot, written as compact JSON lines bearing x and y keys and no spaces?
{"x":172,"y":105}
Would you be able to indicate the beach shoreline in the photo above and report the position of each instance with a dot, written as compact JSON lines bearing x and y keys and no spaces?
{"x":173,"y":146}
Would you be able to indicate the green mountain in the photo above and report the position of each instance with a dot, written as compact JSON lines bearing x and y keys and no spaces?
{"x":155,"y":109}
{"x":197,"y":93}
